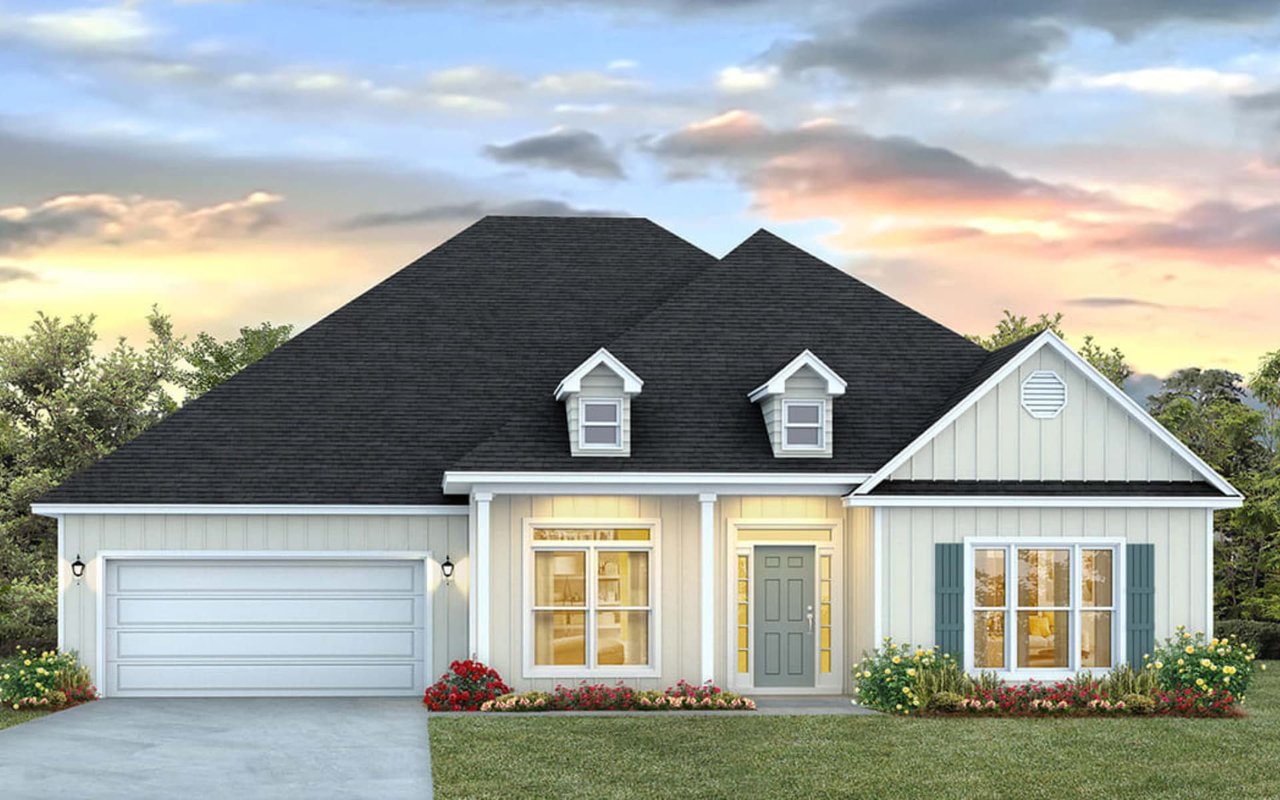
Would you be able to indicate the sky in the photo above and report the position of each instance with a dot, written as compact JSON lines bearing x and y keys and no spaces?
{"x":234,"y":162}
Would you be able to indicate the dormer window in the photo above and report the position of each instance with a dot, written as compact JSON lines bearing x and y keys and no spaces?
{"x":802,"y":424}
{"x":797,"y":407}
{"x":597,"y":403}
{"x":601,"y":424}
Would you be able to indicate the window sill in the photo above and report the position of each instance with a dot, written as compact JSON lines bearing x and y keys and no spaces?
{"x":584,"y":673}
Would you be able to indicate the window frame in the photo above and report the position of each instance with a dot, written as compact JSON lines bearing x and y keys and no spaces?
{"x":1076,"y":545}
{"x":593,"y":608}
{"x":820,"y":425}
{"x":618,"y":405}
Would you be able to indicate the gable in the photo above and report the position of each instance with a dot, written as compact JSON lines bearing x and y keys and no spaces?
{"x":1005,"y":435}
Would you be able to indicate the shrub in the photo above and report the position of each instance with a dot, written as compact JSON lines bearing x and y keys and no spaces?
{"x":28,"y":615}
{"x":942,"y":676}
{"x":50,"y":679}
{"x":1125,"y":680}
{"x":1263,"y":637}
{"x":945,"y":702}
{"x":1187,"y":661}
{"x":1138,"y":703}
{"x":888,"y":678}
{"x":600,"y":697}
{"x":465,"y":687}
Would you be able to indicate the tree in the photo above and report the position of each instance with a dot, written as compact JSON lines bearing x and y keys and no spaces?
{"x":1205,"y":409}
{"x":1265,"y":387}
{"x":1013,"y":328}
{"x":213,"y":361}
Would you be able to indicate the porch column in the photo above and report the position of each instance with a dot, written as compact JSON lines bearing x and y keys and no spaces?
{"x":480,"y":583}
{"x":707,"y":585}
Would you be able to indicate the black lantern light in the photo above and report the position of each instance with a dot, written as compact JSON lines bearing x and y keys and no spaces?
{"x":77,"y":567}
{"x":447,"y":569}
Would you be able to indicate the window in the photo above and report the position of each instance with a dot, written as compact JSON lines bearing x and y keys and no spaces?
{"x":1057,"y":615}
{"x":591,"y":591}
{"x":802,"y":424}
{"x":600,"y":422}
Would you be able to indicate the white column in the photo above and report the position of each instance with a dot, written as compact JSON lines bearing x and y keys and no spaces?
{"x":877,"y":579}
{"x":707,"y":585}
{"x":1208,"y":572}
{"x":62,"y":587}
{"x":480,"y":585}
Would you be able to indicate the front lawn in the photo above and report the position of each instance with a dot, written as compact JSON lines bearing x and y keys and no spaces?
{"x":759,"y":756}
{"x":9,"y":717}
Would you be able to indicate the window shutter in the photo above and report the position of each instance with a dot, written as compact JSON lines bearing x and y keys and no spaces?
{"x":1140,"y":608}
{"x":948,"y":613}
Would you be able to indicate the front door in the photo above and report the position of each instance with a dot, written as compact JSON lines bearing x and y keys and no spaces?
{"x":784,"y":620}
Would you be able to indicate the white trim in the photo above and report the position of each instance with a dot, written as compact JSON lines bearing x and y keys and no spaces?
{"x":1049,"y":339}
{"x":1035,"y":501}
{"x":583,"y":424}
{"x":631,"y":383}
{"x":778,"y":383}
{"x":652,"y":546}
{"x":1208,"y":573}
{"x":830,"y":683}
{"x":1076,"y":544}
{"x":482,"y":574}
{"x":732,"y":483}
{"x":820,"y":426}
{"x":877,"y":578}
{"x":707,"y":589}
{"x":62,"y":585}
{"x":53,"y":509}
{"x":99,"y":566}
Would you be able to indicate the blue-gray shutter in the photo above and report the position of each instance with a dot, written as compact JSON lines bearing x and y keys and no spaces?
{"x":1140,"y":606}
{"x":948,"y":612}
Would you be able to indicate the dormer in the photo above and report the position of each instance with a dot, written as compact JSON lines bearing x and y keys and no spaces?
{"x":597,"y":403}
{"x":797,"y":407}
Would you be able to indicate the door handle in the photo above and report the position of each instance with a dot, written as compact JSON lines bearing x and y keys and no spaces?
{"x":809,"y":618}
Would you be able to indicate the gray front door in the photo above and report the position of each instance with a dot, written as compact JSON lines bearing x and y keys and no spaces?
{"x":784,"y":616}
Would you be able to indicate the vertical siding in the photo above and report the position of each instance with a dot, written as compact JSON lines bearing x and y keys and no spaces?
{"x":1179,"y":536}
{"x":600,"y":382}
{"x":89,"y":534}
{"x":804,"y":385}
{"x":1094,"y":438}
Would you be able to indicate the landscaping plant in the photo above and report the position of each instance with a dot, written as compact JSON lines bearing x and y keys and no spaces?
{"x":465,"y":687}
{"x":891,"y":679}
{"x":684,"y":696}
{"x":1187,"y":662}
{"x":48,"y":680}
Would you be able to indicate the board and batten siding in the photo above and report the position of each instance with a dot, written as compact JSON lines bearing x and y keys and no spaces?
{"x":87,"y":535}
{"x":909,"y":534}
{"x":678,"y":603}
{"x":1094,"y":438}
{"x":599,"y":383}
{"x":806,"y":384}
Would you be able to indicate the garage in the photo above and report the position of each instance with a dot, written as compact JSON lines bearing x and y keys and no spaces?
{"x":227,"y":625}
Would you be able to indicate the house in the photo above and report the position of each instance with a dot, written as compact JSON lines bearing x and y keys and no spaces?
{"x":584,"y":449}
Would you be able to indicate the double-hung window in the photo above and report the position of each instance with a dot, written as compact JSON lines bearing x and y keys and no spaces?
{"x":802,"y":424}
{"x":600,"y":421}
{"x":1043,"y":606}
{"x":590,"y":594}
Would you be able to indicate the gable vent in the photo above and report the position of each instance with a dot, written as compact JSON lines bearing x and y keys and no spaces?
{"x":1044,"y":394}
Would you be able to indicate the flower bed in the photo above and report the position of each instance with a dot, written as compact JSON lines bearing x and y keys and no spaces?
{"x":465,"y":687}
{"x":1185,"y":676}
{"x":48,"y":681}
{"x":683,"y":696}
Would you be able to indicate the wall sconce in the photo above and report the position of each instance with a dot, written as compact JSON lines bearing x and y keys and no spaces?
{"x":446,"y":569}
{"x":77,"y":567}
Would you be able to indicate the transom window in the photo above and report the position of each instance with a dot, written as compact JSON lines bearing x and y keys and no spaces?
{"x":1043,"y":606}
{"x":590,"y":592}
{"x":600,"y":423}
{"x":802,"y":424}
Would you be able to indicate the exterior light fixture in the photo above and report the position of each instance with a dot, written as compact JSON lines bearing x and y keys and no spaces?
{"x":77,"y":567}
{"x":447,"y":569}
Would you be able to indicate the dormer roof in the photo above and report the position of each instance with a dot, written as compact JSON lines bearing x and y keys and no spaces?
{"x":778,"y":383}
{"x":572,"y":383}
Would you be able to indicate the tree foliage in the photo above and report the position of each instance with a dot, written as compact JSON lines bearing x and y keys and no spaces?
{"x":213,"y":361}
{"x":1014,"y":328}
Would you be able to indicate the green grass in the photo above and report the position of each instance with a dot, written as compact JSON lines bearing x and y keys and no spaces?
{"x":848,"y":756}
{"x":9,"y":717}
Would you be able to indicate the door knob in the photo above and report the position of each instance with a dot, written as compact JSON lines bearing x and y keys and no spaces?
{"x":809,"y":618}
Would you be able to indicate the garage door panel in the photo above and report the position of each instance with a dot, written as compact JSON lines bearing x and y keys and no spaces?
{"x":220,"y":644}
{"x":267,"y":577}
{"x":246,"y":626}
{"x":263,"y":678}
{"x":225,"y":610}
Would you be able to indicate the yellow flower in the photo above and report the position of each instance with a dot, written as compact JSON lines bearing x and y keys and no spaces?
{"x":1204,"y":662}
{"x":26,"y":663}
{"x":866,"y":673}
{"x":1159,"y":665}
{"x":899,"y":706}
{"x":888,"y":671}
{"x":1186,"y":635}
{"x":1199,"y":681}
{"x":1190,"y":649}
{"x":1226,"y":679}
{"x":911,"y":673}
{"x":1263,"y":666}
{"x":1213,"y":642}
{"x":1228,"y":670}
{"x":897,"y":660}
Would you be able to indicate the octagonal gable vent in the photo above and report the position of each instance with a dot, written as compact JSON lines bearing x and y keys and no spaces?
{"x":1044,"y":394}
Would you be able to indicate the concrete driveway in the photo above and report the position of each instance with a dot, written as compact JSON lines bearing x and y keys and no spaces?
{"x":239,"y":748}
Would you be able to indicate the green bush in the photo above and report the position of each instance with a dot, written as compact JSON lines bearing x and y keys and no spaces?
{"x":31,"y":680}
{"x":1263,"y":637}
{"x":945,"y":702}
{"x":1138,"y":703}
{"x":28,"y":615}
{"x":1187,"y":661}
{"x":890,"y":678}
{"x":944,"y":675}
{"x":1125,"y":680}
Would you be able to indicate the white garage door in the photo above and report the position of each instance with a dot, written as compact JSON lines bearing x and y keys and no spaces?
{"x":264,"y":627}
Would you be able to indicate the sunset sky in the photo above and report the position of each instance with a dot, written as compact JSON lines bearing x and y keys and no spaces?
{"x":233,"y":162}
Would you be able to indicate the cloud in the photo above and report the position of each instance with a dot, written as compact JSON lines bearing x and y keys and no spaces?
{"x":90,"y":30}
{"x":1210,"y":227}
{"x":823,"y":168}
{"x":583,"y":83}
{"x":9,"y":274}
{"x":578,"y":151}
{"x":1113,"y":302}
{"x":454,"y":212}
{"x":112,"y":219}
{"x":1164,"y":80}
{"x":746,"y":79}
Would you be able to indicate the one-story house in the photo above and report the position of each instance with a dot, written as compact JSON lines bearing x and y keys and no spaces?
{"x":585,"y":449}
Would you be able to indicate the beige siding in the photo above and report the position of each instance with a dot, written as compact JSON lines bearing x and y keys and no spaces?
{"x":804,"y":385}
{"x":1180,"y":537}
{"x":600,"y":382}
{"x":1094,"y":438}
{"x":89,"y":534}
